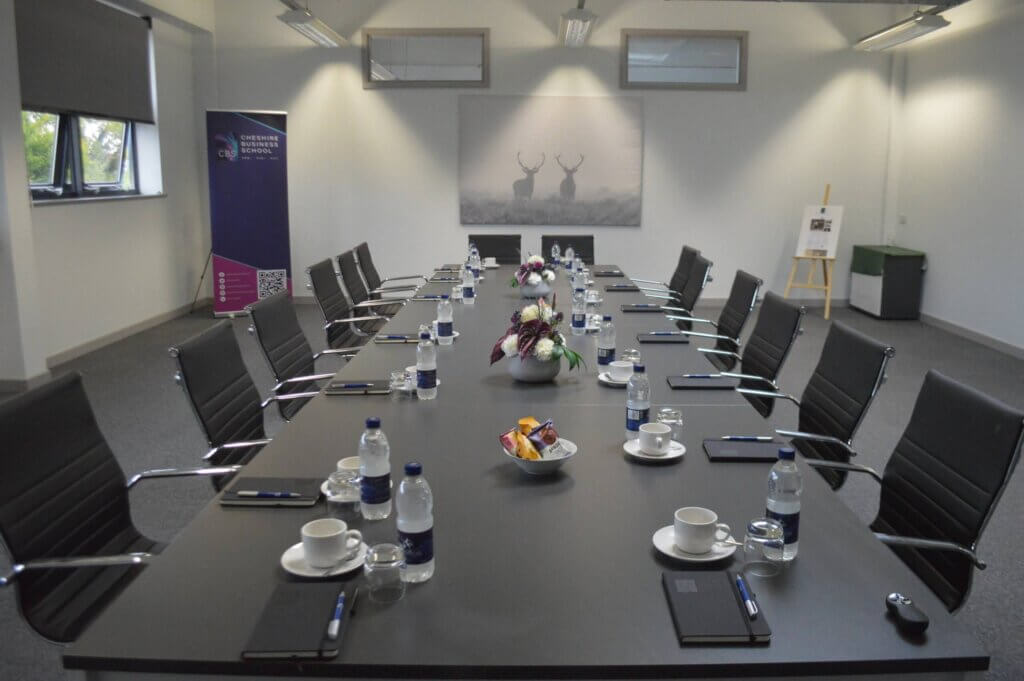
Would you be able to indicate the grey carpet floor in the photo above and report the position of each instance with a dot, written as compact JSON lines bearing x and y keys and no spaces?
{"x":149,"y":424}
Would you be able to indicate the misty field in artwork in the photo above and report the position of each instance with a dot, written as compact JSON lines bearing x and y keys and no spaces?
{"x":550,"y":160}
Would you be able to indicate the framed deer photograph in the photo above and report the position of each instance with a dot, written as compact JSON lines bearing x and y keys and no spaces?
{"x":550,"y":160}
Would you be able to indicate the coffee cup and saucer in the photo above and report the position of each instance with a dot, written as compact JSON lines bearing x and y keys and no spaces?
{"x":695,"y":536}
{"x":328,"y":548}
{"x":655,"y":444}
{"x":617,"y":374}
{"x":490,"y":262}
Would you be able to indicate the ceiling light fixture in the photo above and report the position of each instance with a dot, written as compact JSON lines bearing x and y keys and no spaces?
{"x":574,"y":26}
{"x":908,"y":29}
{"x":303,"y":21}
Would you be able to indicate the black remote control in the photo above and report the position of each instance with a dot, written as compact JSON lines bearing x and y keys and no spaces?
{"x":908,"y":617}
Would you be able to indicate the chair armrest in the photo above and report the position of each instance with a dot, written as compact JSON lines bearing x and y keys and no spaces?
{"x":349,"y":320}
{"x":649,"y":281}
{"x":669,"y":308}
{"x":379,"y":303}
{"x":700,"y":334}
{"x":285,"y":398}
{"x":655,"y":290}
{"x":674,"y":297}
{"x":407,"y":276}
{"x":301,"y":379}
{"x":749,"y":377}
{"x":387,"y":289}
{"x":769,"y":395}
{"x":841,"y":466}
{"x":814,"y":437}
{"x":181,"y":472}
{"x":235,"y":445}
{"x":338,"y":351}
{"x":934,"y":544}
{"x":692,"y":319}
{"x":77,"y":562}
{"x":715,"y":351}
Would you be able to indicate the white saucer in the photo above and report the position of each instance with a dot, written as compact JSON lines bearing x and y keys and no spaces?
{"x":413,"y":388}
{"x":675,"y":451}
{"x":491,"y":267}
{"x":665,"y":542}
{"x":294,"y":561}
{"x":605,"y":378}
{"x":594,"y":301}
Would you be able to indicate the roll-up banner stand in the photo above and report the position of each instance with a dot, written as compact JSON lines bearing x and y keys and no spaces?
{"x":247,"y":156}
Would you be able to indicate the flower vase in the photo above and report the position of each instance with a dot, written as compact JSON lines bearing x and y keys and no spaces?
{"x":533,"y":370}
{"x":541,"y":289}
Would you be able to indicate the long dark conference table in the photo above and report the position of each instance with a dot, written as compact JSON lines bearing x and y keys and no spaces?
{"x":550,"y":577}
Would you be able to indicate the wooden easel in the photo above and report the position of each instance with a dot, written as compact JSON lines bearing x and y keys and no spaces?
{"x":827,"y":265}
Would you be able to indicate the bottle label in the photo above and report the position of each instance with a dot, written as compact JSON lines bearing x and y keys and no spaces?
{"x":790,"y":525}
{"x":636,"y":418}
{"x":418,"y":546}
{"x":444,"y":328}
{"x":579,"y":320}
{"x":375,"y":490}
{"x":426,"y":378}
{"x":476,"y":273}
{"x":605,"y":355}
{"x":468,"y":291}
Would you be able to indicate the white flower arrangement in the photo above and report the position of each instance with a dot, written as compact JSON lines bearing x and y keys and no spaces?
{"x":548,"y":275}
{"x":510,"y":346}
{"x":533,"y":279}
{"x":529,"y":313}
{"x":532,"y":273}
{"x":544,"y":349}
{"x":534,"y":333}
{"x":535,"y":260}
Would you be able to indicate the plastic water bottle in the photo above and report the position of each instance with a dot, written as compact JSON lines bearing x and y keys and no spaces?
{"x":426,"y":367}
{"x":468,"y":286}
{"x":556,"y":254}
{"x":578,"y":266}
{"x":579,"y":311}
{"x":606,"y":342}
{"x":570,"y":256}
{"x":374,"y":472}
{"x":638,"y":401}
{"x":474,"y":263}
{"x":784,"y":487}
{"x":444,"y":321}
{"x":415,"y":506}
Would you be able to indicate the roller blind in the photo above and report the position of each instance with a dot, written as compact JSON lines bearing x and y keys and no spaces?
{"x":85,"y":57}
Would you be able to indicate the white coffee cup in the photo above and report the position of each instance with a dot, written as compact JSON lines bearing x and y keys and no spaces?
{"x":328,"y":541}
{"x":697,"y":529}
{"x":349,"y":463}
{"x":620,"y":370}
{"x":655,"y":439}
{"x":490,"y":261}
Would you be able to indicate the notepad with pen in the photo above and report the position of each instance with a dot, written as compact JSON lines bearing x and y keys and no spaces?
{"x":622,"y":288}
{"x":355,"y":386}
{"x":641,"y":307}
{"x":707,"y":607}
{"x":662,"y":337}
{"x":396,"y":338}
{"x":702,"y":382}
{"x":254,"y":491}
{"x":297,"y":621}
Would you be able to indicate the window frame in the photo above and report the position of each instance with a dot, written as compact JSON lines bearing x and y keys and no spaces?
{"x":484,"y":34}
{"x":743,"y":37}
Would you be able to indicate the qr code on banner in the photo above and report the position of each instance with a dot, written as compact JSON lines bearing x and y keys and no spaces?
{"x":270,"y":282}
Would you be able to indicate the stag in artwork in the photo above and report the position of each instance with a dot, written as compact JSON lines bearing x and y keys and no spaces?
{"x":523,"y":187}
{"x":568,"y":186}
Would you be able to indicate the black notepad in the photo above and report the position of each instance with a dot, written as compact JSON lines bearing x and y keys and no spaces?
{"x":622,"y":288}
{"x":295,"y":620}
{"x":692,"y":383}
{"x":437,"y":280}
{"x":641,"y":307}
{"x":733,"y":450}
{"x":658,"y":338}
{"x":308,"y":490}
{"x":706,"y":607}
{"x":599,"y":271}
{"x":356,"y":386}
{"x":451,"y":267}
{"x":396,"y":338}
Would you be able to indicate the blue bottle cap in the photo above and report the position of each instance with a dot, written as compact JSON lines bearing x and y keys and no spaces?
{"x":787,"y":453}
{"x":445,"y":296}
{"x":639,"y":369}
{"x":373,"y":422}
{"x":607,"y":317}
{"x":414,"y":468}
{"x":424,"y":335}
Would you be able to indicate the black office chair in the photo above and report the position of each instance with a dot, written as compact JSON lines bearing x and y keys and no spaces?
{"x":685,"y":300}
{"x":223,"y":396}
{"x":679,"y":277}
{"x":778,"y":325}
{"x":506,"y":249}
{"x":582,"y":245}
{"x":286,"y":350}
{"x":943,"y":482}
{"x":375,"y":282}
{"x":357,"y":291}
{"x":742,"y":297}
{"x":64,"y":510}
{"x":344,"y":330}
{"x":850,"y":371}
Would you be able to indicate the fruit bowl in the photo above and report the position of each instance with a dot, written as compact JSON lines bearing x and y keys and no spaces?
{"x":544,"y":466}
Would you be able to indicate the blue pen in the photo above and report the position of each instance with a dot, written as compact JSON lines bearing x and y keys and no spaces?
{"x":429,"y":297}
{"x":745,"y":595}
{"x":395,"y":337}
{"x":258,"y":494}
{"x":332,"y":628}
{"x":747,"y":438}
{"x":701,"y":376}
{"x":664,"y":333}
{"x":356,"y":385}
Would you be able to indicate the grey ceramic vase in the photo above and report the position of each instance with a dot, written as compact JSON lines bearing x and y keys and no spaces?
{"x":533,"y":370}
{"x":541,"y":289}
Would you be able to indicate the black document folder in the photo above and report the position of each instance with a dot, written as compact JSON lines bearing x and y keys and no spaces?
{"x":308,"y":490}
{"x":606,"y":271}
{"x":659,"y":338}
{"x":622,"y":288}
{"x":738,"y":450}
{"x":641,"y":307}
{"x":295,"y":620}
{"x":707,"y":607}
{"x":698,"y":383}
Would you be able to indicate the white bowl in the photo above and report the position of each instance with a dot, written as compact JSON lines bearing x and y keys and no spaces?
{"x":544,"y":466}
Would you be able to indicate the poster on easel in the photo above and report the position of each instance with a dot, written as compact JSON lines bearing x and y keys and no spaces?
{"x":247,"y":160}
{"x":819,"y":232}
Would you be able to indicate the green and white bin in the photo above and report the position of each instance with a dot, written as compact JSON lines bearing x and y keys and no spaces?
{"x":886,"y":281}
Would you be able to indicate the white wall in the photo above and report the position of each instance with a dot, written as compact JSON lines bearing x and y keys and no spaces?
{"x":726,"y":172}
{"x":960,"y":181}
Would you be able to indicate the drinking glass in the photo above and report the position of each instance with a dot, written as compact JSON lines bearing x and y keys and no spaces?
{"x":383,"y":570}
{"x":673,"y":418}
{"x":763,"y":547}
{"x":630,"y":355}
{"x":398,"y":379}
{"x":457,"y":292}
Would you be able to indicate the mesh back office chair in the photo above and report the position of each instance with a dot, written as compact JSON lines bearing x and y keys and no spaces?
{"x":286,"y":350}
{"x":742,"y":297}
{"x":223,"y":396}
{"x":64,"y":513}
{"x":357,"y":291}
{"x":375,"y":281}
{"x":506,"y":249}
{"x":677,"y":282}
{"x":582,"y":245}
{"x":344,"y":330}
{"x":850,"y":371}
{"x":943,"y":482}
